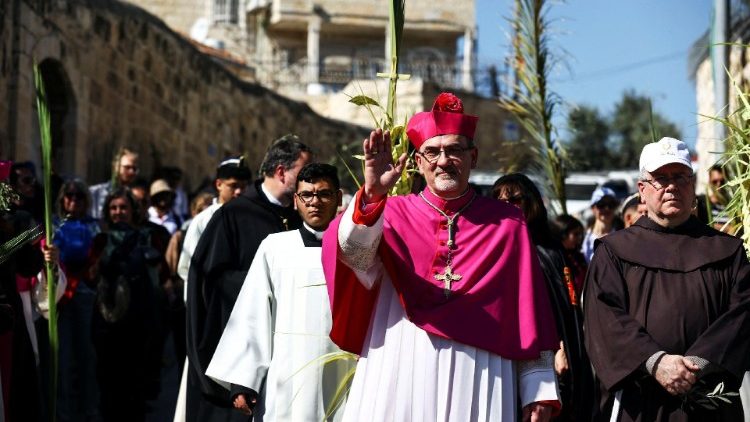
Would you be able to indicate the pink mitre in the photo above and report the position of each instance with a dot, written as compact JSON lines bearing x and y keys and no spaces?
{"x":445,"y":118}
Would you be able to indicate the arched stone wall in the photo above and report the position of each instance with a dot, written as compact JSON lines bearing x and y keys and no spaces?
{"x":139,"y":84}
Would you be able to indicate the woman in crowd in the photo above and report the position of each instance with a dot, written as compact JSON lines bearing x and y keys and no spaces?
{"x":568,"y":230}
{"x":603,"y":205}
{"x":571,"y":362}
{"x":127,"y":321}
{"x":74,"y":235}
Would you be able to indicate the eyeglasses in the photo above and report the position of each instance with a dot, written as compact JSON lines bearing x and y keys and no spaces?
{"x":451,"y":153}
{"x":325,"y":196}
{"x":661,"y":182}
{"x":75,"y":195}
{"x":130,"y":168}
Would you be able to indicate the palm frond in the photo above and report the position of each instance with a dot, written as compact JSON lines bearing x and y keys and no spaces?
{"x":736,"y":158}
{"x":533,"y":104}
{"x":351,"y":172}
{"x":397,"y":17}
{"x":12,"y":246}
{"x":654,"y":134}
{"x":342,"y":390}
{"x":399,"y":139}
{"x":45,"y":132}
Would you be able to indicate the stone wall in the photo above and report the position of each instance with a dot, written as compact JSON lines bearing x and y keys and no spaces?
{"x":127,"y":79}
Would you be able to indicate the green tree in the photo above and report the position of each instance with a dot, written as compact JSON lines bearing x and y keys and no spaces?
{"x":631,"y":128}
{"x":589,"y":137}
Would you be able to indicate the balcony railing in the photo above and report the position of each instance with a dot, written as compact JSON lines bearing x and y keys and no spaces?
{"x":337,"y":75}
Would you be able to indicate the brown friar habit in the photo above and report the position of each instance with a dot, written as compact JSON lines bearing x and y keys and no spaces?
{"x":685,"y":291}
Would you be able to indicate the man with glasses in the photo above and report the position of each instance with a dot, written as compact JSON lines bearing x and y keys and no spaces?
{"x":440,"y":292}
{"x":269,"y":354}
{"x":667,"y":305}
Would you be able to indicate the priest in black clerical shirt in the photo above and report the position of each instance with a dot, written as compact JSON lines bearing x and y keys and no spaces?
{"x":220,"y":263}
{"x":667,"y":305}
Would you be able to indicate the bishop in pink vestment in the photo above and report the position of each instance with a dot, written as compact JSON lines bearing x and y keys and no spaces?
{"x":440,"y":293}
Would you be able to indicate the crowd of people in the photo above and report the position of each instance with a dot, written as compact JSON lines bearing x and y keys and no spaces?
{"x":282,"y":303}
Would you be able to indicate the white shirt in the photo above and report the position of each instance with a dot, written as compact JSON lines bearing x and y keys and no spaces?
{"x":278,"y":332}
{"x":168,"y":220}
{"x":407,"y":374}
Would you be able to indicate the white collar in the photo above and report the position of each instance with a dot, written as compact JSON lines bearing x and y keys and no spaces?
{"x":272,"y":199}
{"x":318,"y":235}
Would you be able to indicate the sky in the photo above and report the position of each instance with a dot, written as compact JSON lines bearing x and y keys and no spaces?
{"x":612,"y":46}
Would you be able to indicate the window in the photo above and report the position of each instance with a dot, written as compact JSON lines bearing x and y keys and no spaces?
{"x":226,"y":11}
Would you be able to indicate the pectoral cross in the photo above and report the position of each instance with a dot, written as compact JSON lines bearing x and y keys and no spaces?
{"x":447,"y":277}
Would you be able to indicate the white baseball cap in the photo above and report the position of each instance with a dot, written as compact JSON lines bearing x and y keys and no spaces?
{"x":666,"y":151}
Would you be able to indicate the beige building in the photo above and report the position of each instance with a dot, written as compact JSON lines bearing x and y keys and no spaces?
{"x":710,"y":144}
{"x":323,"y":52}
{"x":318,"y":47}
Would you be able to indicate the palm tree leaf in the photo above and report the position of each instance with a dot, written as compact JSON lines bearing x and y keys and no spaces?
{"x":12,"y":246}
{"x":46,"y":142}
{"x":362,"y":100}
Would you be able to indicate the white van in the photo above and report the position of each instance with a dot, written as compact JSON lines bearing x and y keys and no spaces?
{"x":580,"y":186}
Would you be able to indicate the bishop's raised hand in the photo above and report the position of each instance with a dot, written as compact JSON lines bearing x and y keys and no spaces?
{"x":381,"y":173}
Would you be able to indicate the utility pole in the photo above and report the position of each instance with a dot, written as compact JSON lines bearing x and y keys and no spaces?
{"x":719,"y":50}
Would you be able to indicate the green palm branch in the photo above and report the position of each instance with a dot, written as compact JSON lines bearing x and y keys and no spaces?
{"x":342,"y":390}
{"x":397,"y":16}
{"x":399,"y":139}
{"x":533,"y":103}
{"x":12,"y":246}
{"x":44,"y":129}
{"x":654,"y":130}
{"x":736,"y":159}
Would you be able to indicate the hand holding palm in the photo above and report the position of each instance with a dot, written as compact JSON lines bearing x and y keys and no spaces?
{"x":380,"y":172}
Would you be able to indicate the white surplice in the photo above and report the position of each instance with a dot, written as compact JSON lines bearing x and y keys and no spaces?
{"x":407,"y":374}
{"x":192,"y":236}
{"x":277,"y":331}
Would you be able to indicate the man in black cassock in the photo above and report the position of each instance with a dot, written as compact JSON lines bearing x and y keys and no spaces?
{"x":667,"y":305}
{"x":221,"y":261}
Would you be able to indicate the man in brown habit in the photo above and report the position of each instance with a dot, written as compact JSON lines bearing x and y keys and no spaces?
{"x":667,"y":305}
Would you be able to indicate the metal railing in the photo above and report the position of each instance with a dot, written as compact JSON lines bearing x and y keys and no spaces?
{"x":337,"y":75}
